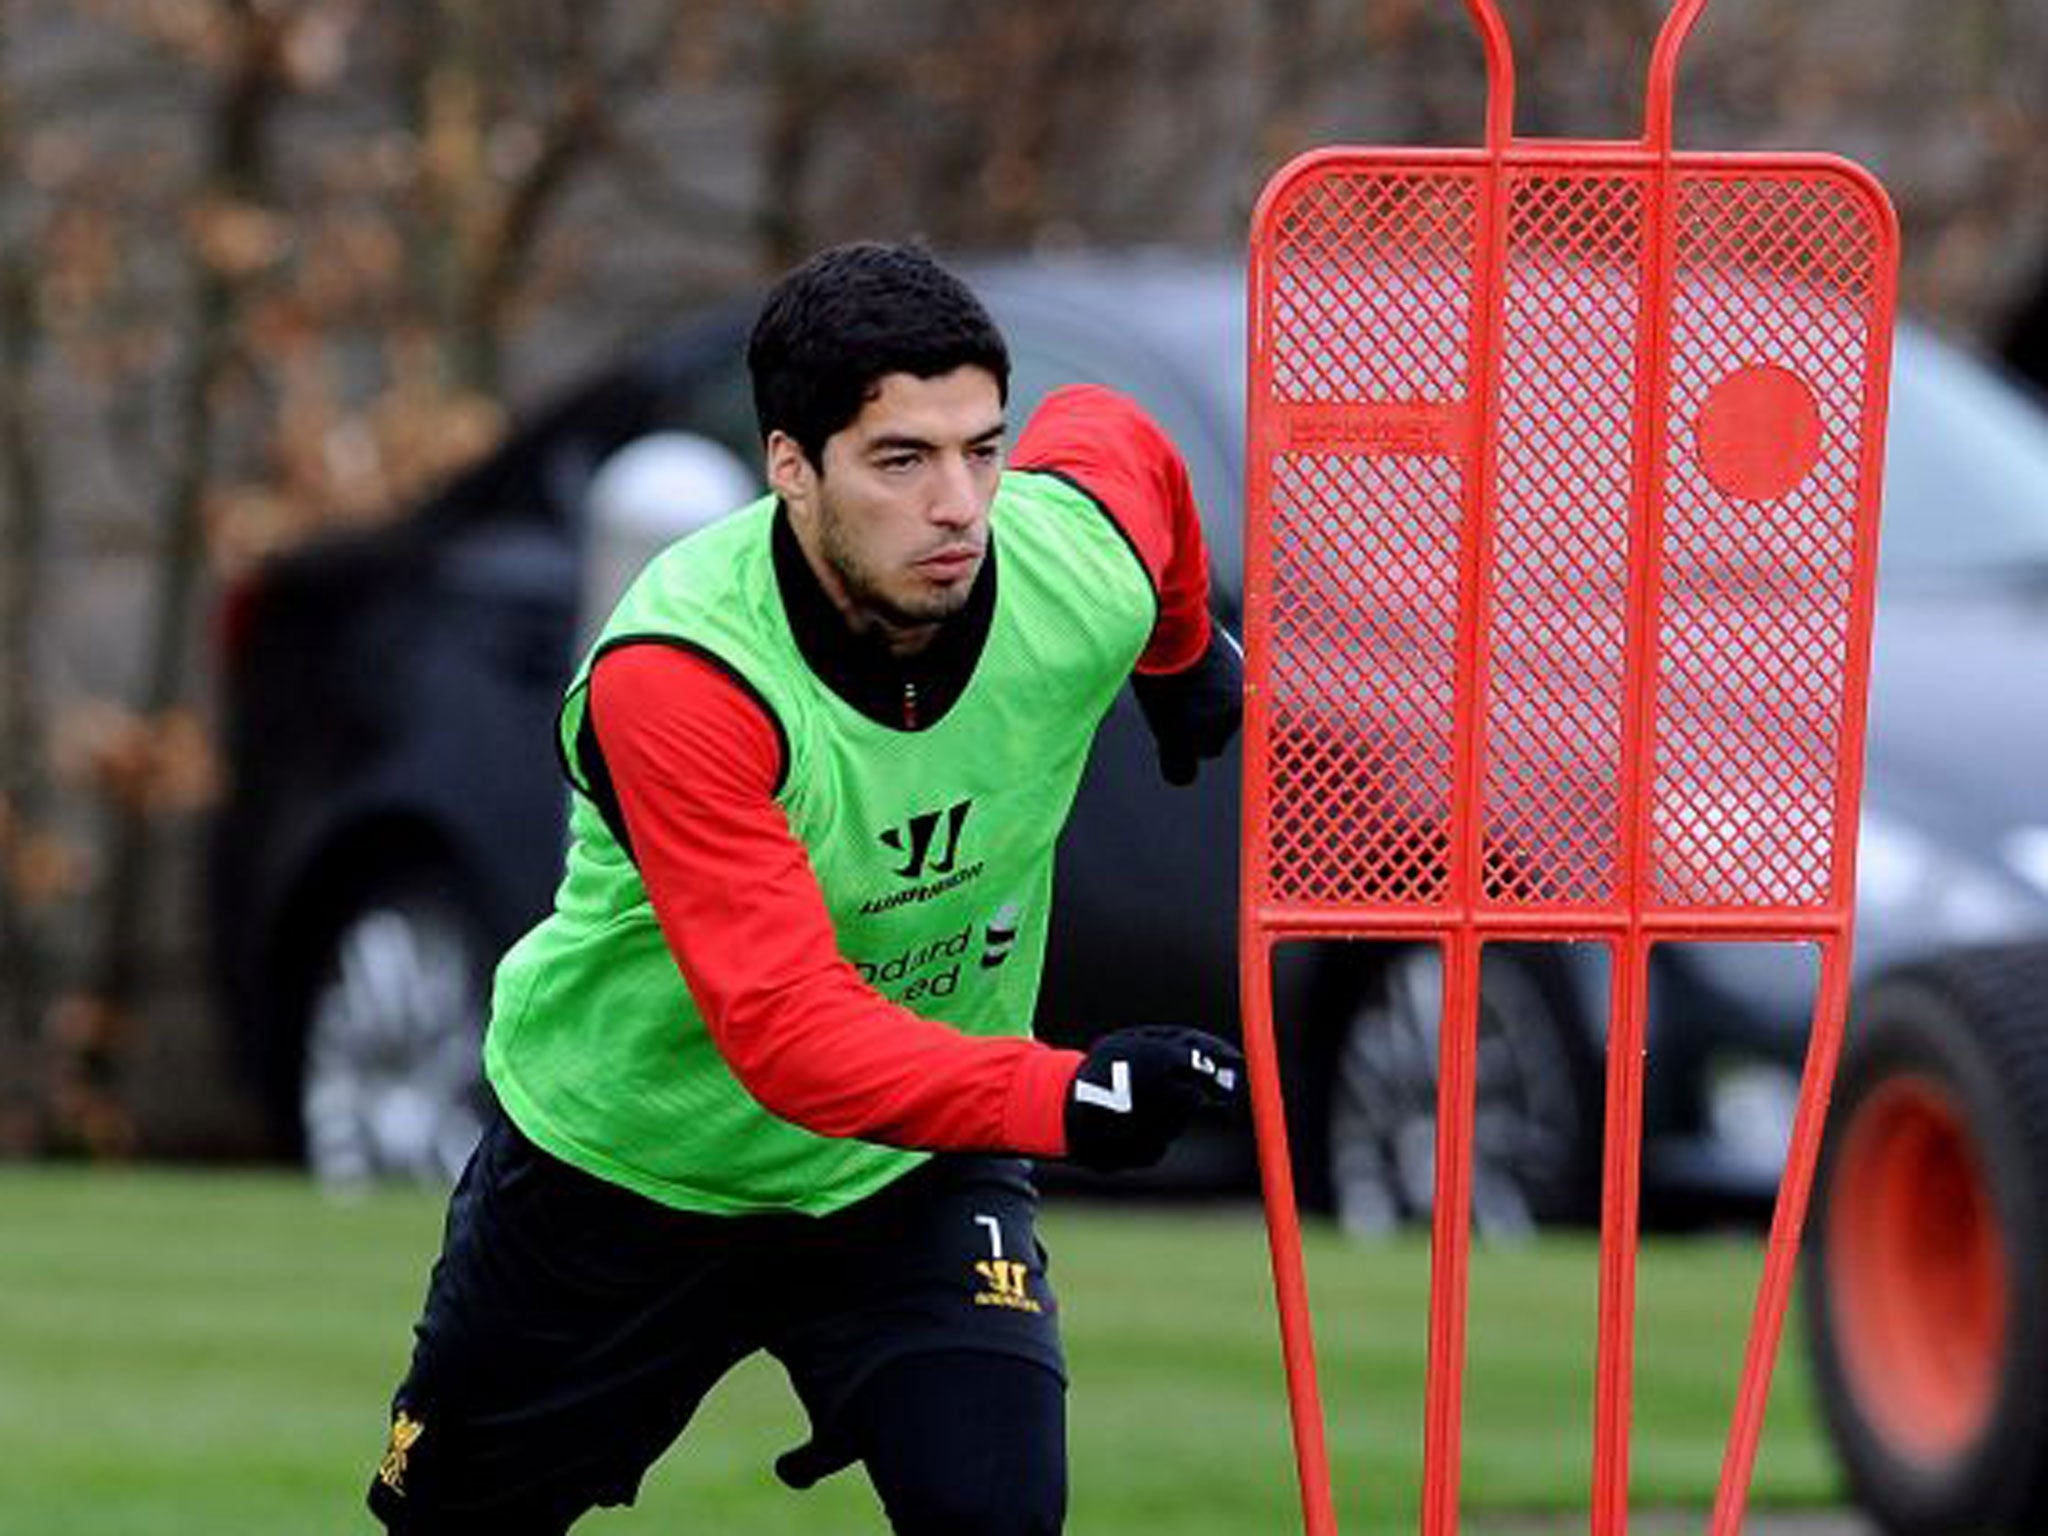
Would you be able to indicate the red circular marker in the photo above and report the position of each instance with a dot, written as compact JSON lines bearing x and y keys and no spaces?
{"x":1759,"y":433}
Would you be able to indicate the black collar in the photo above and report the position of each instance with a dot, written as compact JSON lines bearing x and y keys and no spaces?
{"x":905,"y":692}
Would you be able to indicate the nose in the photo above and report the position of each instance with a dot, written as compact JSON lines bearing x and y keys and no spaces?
{"x":956,"y":498}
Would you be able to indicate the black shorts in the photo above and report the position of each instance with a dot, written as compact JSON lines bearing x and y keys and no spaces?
{"x":572,"y":1327}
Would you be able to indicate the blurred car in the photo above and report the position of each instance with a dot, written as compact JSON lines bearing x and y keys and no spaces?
{"x":396,"y":815}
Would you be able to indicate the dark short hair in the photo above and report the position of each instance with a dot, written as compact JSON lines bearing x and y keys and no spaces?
{"x":835,"y":326}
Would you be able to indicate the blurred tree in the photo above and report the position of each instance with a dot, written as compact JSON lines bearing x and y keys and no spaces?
{"x":796,"y":86}
{"x":24,"y":787}
{"x":231,"y":239}
{"x":509,"y":103}
{"x":330,"y":341}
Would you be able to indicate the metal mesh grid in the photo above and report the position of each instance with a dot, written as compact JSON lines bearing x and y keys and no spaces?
{"x":1551,"y":800}
{"x":1371,"y":278}
{"x":1365,"y":622}
{"x":1772,"y":272}
{"x":1371,"y":289}
{"x":1368,"y":308}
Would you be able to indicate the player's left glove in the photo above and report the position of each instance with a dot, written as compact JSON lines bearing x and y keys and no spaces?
{"x":1140,"y":1088}
{"x":1194,"y":712}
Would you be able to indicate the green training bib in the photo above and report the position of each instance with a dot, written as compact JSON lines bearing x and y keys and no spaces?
{"x":934,"y":850}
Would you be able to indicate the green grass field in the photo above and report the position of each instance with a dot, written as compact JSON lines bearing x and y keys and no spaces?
{"x":212,"y":1354}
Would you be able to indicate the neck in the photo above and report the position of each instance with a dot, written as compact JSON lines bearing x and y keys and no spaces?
{"x":899,"y":639}
{"x":898,"y":636}
{"x":853,"y":652}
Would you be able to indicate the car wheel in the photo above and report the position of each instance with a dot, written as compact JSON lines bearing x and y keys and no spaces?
{"x":1927,"y":1249}
{"x":391,"y":1086}
{"x":1536,"y":1115}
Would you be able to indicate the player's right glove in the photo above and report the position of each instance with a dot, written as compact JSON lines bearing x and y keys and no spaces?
{"x":1139,"y":1089}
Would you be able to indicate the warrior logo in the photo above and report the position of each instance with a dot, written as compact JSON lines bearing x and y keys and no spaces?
{"x":915,"y":839}
{"x":1004,"y":1285}
{"x":1004,"y":1282}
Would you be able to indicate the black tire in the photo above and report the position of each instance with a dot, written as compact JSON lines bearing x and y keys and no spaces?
{"x":1926,"y":1258}
{"x":390,"y":1085}
{"x":1537,"y":1131}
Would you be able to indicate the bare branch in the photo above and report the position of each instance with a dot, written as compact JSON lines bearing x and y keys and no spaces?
{"x":237,"y":170}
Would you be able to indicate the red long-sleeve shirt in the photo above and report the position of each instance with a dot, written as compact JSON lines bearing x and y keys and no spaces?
{"x":694,"y":761}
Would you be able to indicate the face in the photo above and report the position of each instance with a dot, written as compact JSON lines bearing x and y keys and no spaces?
{"x":895,"y":521}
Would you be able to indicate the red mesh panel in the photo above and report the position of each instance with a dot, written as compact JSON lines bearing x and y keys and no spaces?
{"x":1557,"y":639}
{"x":1376,"y":476}
{"x":1364,"y":541}
{"x":1371,"y":289}
{"x":1773,"y":276}
{"x":1365,"y":626}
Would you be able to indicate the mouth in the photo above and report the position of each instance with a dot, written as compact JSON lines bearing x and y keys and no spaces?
{"x":950,"y":563}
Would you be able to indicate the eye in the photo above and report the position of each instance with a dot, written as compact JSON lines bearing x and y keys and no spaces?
{"x":985,"y":453}
{"x":896,"y":463}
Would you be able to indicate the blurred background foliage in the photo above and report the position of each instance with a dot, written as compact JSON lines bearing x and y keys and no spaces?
{"x":272,"y":266}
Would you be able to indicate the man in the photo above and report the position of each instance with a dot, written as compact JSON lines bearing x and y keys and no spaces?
{"x":766,"y":1073}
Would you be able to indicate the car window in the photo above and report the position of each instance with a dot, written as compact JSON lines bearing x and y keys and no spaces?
{"x":1966,"y":468}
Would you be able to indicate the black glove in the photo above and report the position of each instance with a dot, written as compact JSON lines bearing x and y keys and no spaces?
{"x":1138,"y":1090}
{"x":1194,"y":712}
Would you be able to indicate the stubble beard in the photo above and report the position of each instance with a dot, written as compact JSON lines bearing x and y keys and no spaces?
{"x":862,"y":585}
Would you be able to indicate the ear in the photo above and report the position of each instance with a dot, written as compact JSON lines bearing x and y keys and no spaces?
{"x":791,"y":475}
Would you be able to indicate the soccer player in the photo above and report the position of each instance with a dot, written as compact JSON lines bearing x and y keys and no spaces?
{"x":765,"y":1076}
